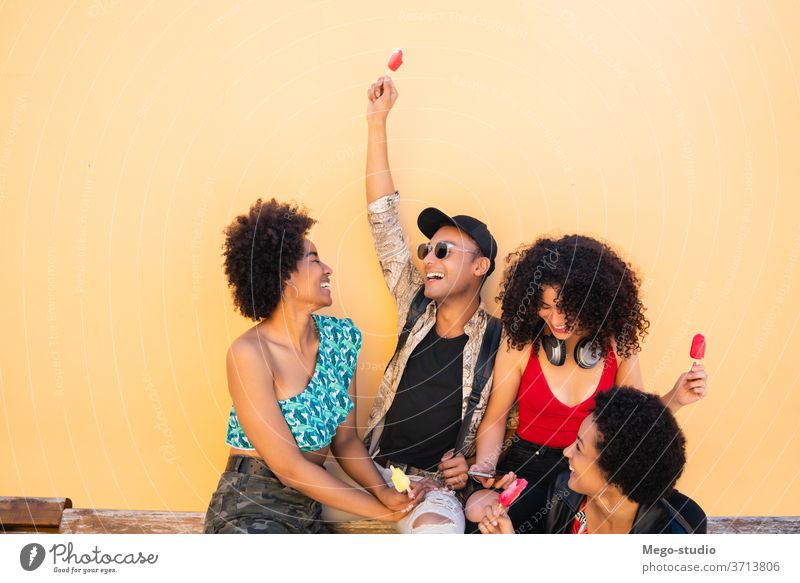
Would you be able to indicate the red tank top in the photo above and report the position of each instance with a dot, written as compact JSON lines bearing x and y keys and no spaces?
{"x":545,"y":420}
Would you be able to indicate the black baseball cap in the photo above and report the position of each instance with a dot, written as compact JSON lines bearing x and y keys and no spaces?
{"x":432,"y":219}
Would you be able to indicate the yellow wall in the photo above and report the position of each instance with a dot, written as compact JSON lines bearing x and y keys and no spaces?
{"x":131,"y":133}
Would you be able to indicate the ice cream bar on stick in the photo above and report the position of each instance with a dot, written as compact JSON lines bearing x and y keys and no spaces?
{"x":399,"y":479}
{"x":513,"y":491}
{"x":395,"y":59}
{"x":698,"y":350}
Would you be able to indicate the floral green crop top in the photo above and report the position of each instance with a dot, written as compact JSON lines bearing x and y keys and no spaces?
{"x":314,"y":414}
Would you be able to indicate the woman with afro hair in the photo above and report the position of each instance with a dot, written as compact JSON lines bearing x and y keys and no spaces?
{"x":292,"y":381}
{"x":623,"y":465}
{"x":573,"y":322}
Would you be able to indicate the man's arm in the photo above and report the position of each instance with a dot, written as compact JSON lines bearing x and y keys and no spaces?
{"x":399,"y":271}
{"x":382,"y":95}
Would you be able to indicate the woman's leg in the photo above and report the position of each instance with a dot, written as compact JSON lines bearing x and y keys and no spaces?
{"x":250,"y":504}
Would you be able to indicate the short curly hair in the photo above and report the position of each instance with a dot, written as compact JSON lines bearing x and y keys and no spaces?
{"x":642,"y":449}
{"x":262,"y":248}
{"x":595,"y":287}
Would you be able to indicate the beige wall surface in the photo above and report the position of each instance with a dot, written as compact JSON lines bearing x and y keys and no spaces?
{"x":132,"y":132}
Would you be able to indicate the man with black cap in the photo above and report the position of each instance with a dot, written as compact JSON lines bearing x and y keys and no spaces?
{"x":436,"y":387}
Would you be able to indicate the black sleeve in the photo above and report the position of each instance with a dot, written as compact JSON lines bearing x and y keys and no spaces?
{"x":690,"y":511}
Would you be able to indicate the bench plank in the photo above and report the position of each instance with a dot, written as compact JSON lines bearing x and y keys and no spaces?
{"x":754,"y":524}
{"x":88,"y":520}
{"x":362,"y":527}
{"x":17,"y":513}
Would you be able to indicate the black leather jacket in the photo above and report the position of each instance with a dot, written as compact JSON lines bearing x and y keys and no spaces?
{"x":674,"y":514}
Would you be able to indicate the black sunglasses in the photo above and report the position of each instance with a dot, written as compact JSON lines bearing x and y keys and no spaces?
{"x":441,"y":249}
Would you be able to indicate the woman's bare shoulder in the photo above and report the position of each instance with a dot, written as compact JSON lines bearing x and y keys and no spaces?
{"x":252,"y":346}
{"x":514,"y":356}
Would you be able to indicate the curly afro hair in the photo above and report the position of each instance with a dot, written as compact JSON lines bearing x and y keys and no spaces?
{"x":261,"y":250}
{"x":642,"y":448}
{"x":595,"y":288}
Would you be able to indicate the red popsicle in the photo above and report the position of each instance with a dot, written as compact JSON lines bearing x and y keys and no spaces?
{"x":511,"y":493}
{"x":698,"y":350}
{"x":395,"y":59}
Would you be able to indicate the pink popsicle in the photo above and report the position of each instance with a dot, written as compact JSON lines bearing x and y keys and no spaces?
{"x":395,"y":59}
{"x":698,"y":350}
{"x":511,"y":493}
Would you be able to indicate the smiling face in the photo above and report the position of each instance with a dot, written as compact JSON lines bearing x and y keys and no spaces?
{"x":555,"y":319}
{"x":585,"y":474}
{"x":310,"y":283}
{"x":457,"y":274}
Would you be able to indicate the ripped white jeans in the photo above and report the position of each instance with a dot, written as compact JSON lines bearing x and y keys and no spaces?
{"x":439,"y":513}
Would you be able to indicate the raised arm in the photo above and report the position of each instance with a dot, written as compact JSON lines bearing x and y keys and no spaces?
{"x":251,"y":386}
{"x":402,"y":277}
{"x":381,"y":95}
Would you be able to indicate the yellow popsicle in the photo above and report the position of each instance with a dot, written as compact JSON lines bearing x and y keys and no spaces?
{"x":399,"y":479}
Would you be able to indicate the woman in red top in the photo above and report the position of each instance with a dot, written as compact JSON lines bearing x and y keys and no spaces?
{"x":573,"y":322}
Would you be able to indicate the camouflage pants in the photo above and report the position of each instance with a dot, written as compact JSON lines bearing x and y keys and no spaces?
{"x":253,"y":504}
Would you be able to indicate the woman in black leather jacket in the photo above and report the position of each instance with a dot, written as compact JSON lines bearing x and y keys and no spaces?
{"x":624,"y":464}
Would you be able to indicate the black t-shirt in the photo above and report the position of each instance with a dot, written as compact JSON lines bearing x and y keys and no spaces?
{"x":425,"y":416}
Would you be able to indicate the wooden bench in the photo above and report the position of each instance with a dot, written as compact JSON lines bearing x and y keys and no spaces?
{"x":56,"y":515}
{"x":39,"y":514}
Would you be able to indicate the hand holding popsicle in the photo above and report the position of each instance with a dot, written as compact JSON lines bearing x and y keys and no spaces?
{"x":697,"y":376}
{"x":381,"y":95}
{"x":403,"y":494}
{"x":691,"y":386}
{"x":496,"y":521}
{"x":400,"y":496}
